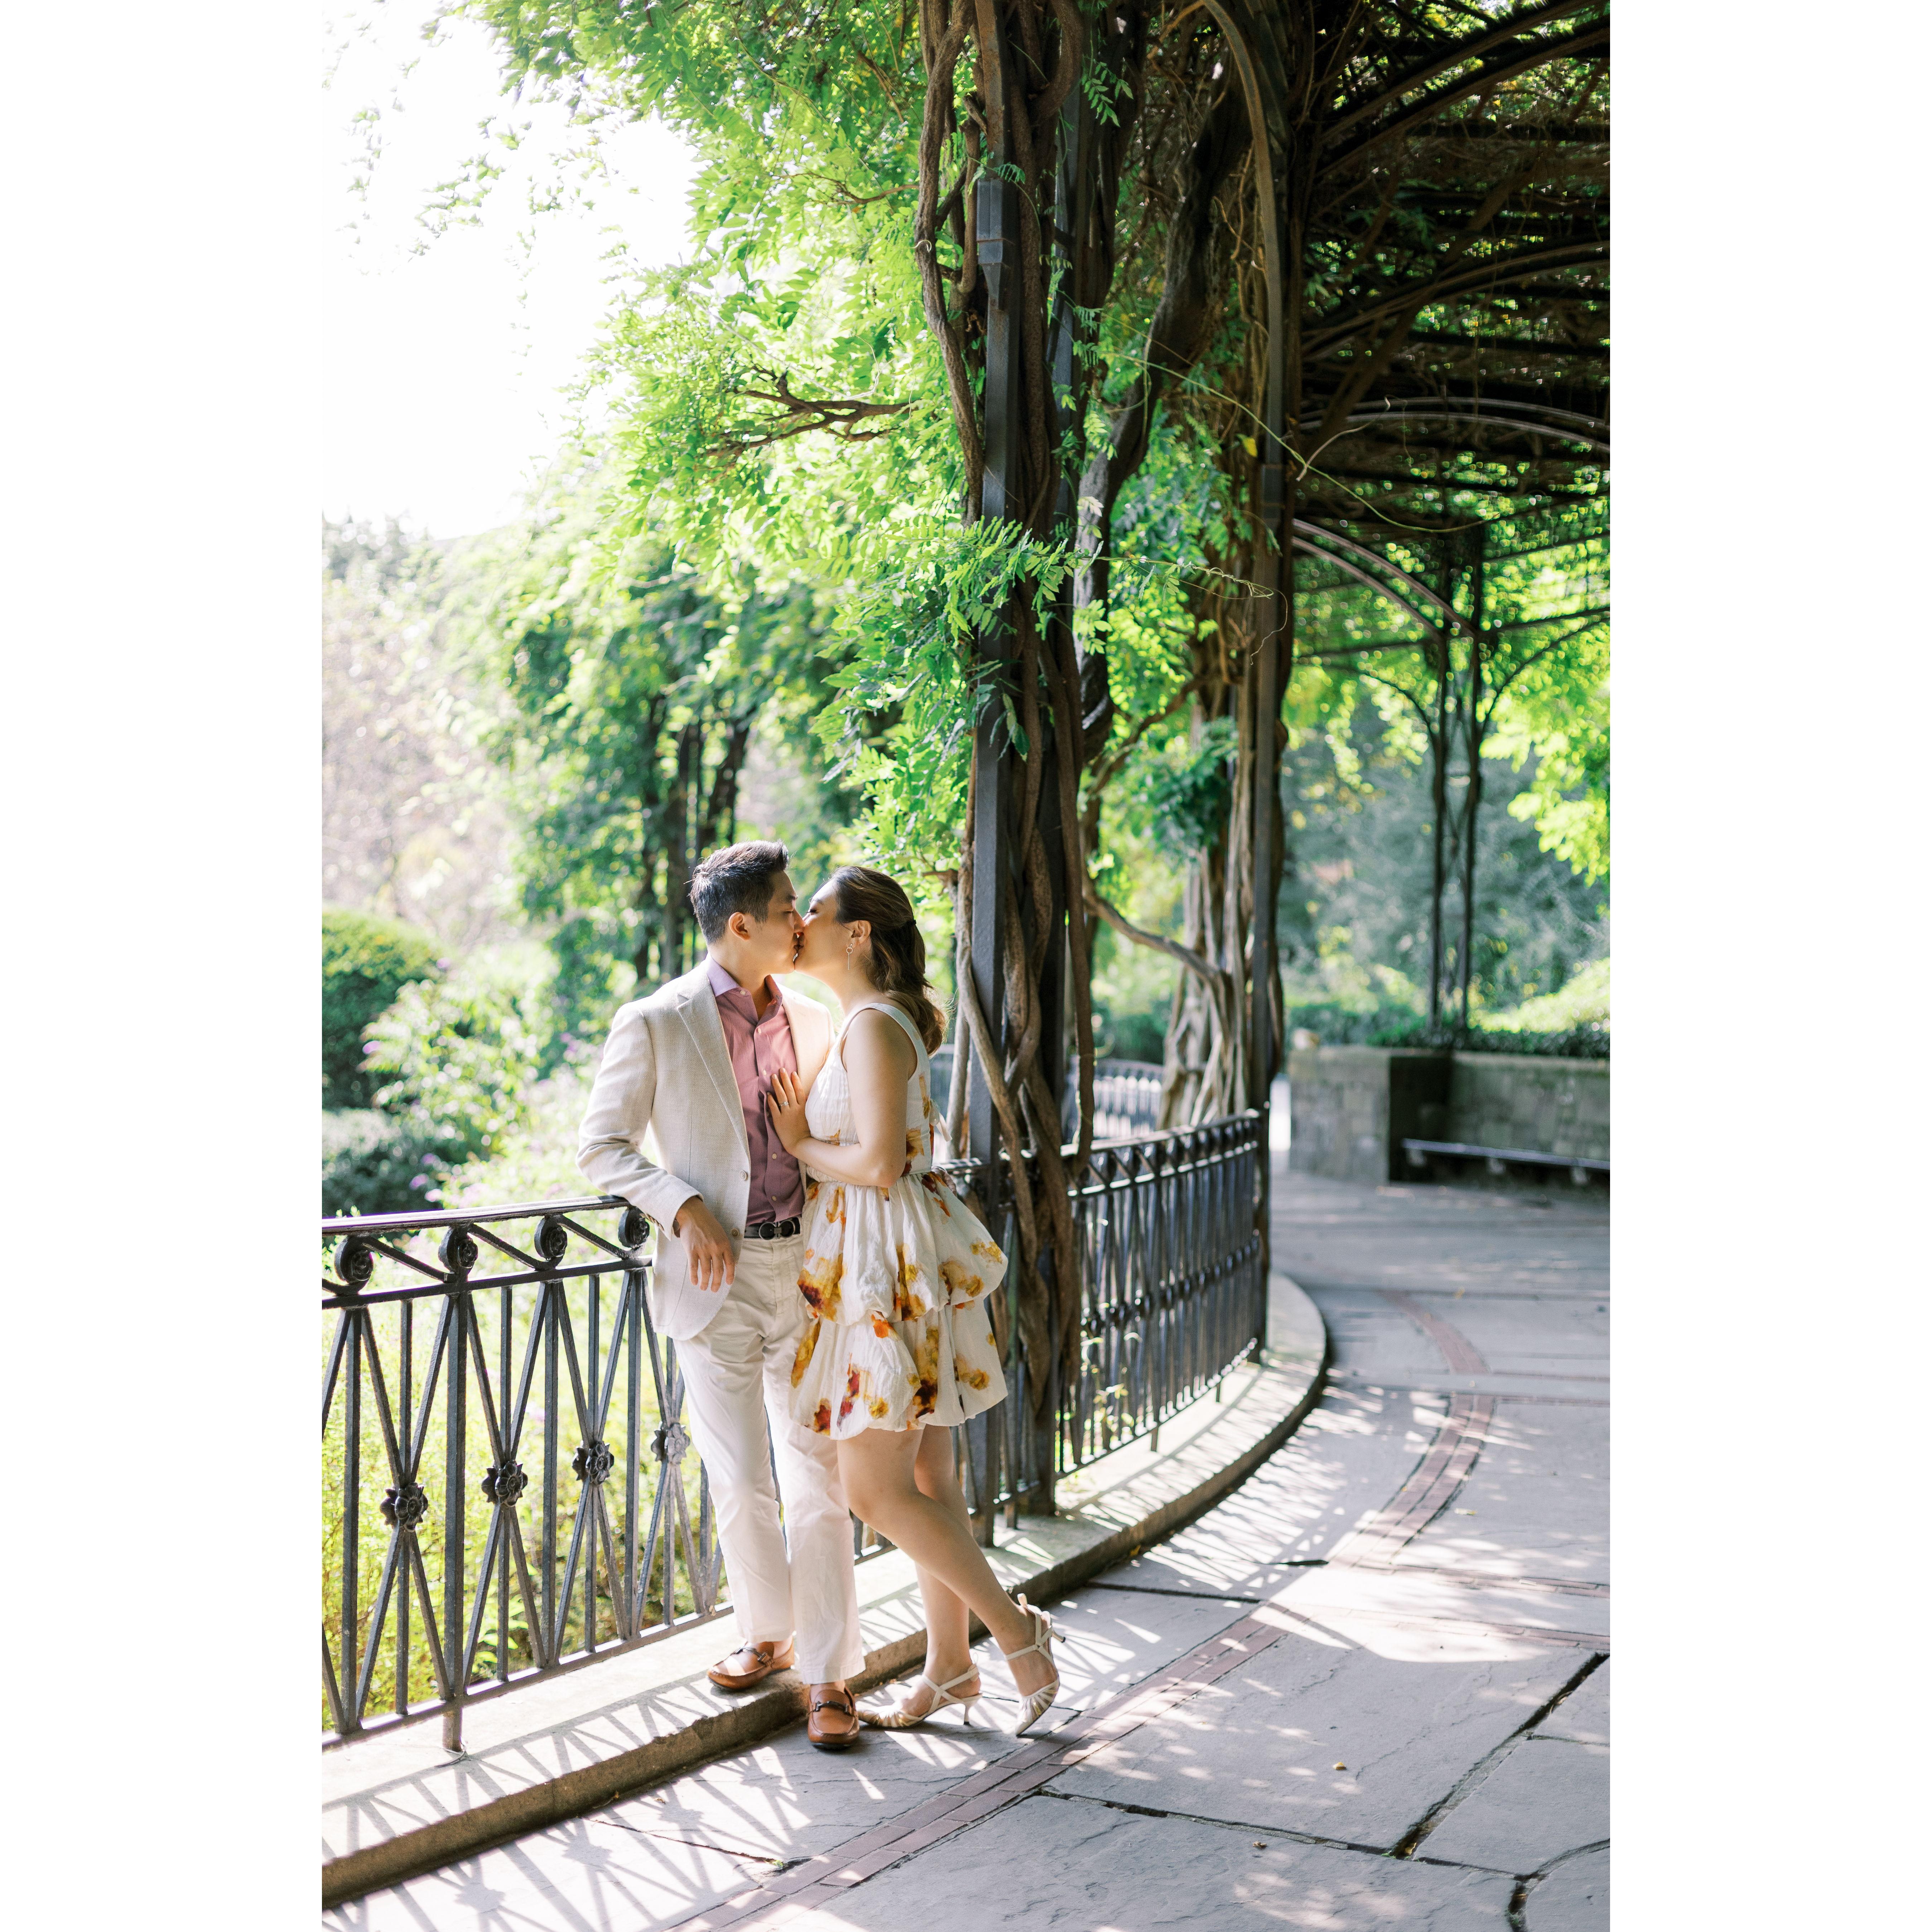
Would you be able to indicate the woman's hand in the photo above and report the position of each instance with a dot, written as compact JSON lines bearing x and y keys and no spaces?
{"x":786,"y":1104}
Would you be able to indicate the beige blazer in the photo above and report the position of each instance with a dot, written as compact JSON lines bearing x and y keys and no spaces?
{"x":665,"y":1122}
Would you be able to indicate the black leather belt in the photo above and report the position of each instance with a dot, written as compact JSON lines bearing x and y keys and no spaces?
{"x":774,"y":1231}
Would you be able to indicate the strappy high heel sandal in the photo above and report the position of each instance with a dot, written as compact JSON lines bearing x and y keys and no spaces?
{"x":943,"y":1697}
{"x":1035,"y":1704}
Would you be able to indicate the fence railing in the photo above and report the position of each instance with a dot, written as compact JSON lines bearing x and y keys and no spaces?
{"x":1174,"y":1296}
{"x":509,"y":1490}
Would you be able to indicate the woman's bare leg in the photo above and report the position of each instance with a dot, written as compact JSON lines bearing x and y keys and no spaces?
{"x":949,"y":1652}
{"x":879,"y":1471}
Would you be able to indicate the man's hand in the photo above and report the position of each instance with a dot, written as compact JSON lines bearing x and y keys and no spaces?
{"x":706,"y":1246}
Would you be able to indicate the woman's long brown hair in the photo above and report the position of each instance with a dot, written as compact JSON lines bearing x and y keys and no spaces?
{"x":899,"y":951}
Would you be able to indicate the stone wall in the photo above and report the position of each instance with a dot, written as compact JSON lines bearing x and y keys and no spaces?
{"x":1546,"y":1106}
{"x":1348,"y":1105}
{"x":1351,"y":1107}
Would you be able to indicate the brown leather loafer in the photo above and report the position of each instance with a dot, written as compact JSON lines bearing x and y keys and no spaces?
{"x":832,"y":1723}
{"x":750,"y":1663}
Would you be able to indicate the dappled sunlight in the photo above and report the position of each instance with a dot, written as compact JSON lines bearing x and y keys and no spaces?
{"x":585,"y":1876}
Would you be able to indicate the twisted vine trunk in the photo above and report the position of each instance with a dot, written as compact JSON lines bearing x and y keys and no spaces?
{"x":1013,"y":241}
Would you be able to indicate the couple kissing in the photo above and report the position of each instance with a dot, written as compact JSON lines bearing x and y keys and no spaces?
{"x":826,"y":1287}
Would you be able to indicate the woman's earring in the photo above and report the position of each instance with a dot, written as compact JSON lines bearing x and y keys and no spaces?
{"x":849,"y":945}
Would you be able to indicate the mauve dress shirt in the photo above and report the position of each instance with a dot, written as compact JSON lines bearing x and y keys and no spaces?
{"x":758,"y":1047}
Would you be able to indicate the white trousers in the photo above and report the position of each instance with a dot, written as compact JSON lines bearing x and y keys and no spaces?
{"x":737,"y":1371}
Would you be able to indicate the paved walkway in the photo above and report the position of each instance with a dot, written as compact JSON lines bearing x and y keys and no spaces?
{"x":1369,"y":1689}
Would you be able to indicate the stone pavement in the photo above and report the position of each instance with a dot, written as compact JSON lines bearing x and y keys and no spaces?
{"x":1369,"y":1689}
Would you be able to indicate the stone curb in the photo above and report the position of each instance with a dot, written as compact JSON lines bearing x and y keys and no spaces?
{"x":570,"y":1793}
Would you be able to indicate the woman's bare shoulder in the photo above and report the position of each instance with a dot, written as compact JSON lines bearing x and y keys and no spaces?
{"x":879,"y":1040}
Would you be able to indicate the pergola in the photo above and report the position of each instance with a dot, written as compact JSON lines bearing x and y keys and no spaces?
{"x":1418,"y":197}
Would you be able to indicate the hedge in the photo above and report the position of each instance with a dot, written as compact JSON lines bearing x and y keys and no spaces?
{"x":366,"y":961}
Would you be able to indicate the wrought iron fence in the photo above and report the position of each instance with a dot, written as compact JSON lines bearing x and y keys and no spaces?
{"x":1175,"y":1295}
{"x":522,"y":1335}
{"x":461,"y":1345}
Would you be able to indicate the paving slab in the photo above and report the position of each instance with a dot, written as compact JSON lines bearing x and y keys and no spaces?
{"x":1568,"y":1337}
{"x":1372,"y":1339}
{"x":1048,"y":1862}
{"x":1332,"y":1235}
{"x":1546,"y":1798}
{"x":1352,"y":1602}
{"x":1258,"y":1747}
{"x":584,"y":1876}
{"x":1536,"y":1503}
{"x":1584,"y":1716}
{"x":1574,"y":1897}
{"x":1347,"y":1457}
{"x":1115,"y":1638}
{"x":786,"y":1801}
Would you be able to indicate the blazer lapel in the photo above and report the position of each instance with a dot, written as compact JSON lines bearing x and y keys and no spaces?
{"x":807,"y":1042}
{"x":697,"y":1007}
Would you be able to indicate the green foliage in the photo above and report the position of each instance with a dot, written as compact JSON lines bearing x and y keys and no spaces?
{"x":539,"y":1163}
{"x":1583,"y":1000}
{"x":634,"y":688}
{"x":1562,"y":720}
{"x":366,"y":961}
{"x":373,"y":1164}
{"x":781,"y":500}
{"x":461,"y":1055}
{"x":1133,"y":993}
{"x":1341,"y":1023}
{"x":1354,"y":912}
{"x":1573,"y":1043}
{"x":1129,"y":1035}
{"x":1190,"y":788}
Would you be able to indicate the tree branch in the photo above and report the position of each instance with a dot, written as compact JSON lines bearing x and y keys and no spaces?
{"x":1198,"y":964}
{"x":842,"y":415}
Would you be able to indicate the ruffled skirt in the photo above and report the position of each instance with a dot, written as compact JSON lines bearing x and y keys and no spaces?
{"x":897,"y":1282}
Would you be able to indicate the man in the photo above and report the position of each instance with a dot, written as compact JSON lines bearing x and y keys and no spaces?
{"x":677,"y":1125}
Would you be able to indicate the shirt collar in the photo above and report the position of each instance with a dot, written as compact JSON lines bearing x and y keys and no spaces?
{"x":722,"y":983}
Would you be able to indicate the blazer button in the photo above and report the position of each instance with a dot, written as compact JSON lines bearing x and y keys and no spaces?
{"x":737,"y":1234}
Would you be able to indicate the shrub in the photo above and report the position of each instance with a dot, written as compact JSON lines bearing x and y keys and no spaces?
{"x":1335,"y":1023}
{"x":366,"y":961}
{"x":374,"y":1165}
{"x":1583,"y":1001}
{"x":1582,"y":1042}
{"x":461,"y":1055}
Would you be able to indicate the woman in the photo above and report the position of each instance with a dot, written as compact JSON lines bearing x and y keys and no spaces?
{"x":898,"y":1272}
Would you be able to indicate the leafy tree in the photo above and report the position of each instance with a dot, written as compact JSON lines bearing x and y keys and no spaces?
{"x":634,"y":690}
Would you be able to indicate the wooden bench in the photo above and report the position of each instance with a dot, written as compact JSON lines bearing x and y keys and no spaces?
{"x":1581,"y":1166}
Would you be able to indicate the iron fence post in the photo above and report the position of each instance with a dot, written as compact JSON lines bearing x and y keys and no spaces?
{"x":455,"y":1364}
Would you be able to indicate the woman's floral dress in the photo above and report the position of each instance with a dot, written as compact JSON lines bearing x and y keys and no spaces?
{"x":896,"y":1280}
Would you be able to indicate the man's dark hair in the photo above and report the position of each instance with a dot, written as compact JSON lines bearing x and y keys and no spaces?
{"x":738,"y":879}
